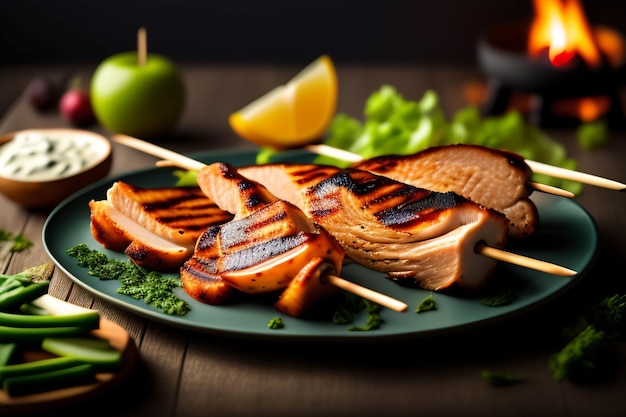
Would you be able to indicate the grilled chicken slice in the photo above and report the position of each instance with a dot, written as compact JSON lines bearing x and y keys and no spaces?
{"x":156,"y":228}
{"x":426,"y":238}
{"x":493,"y":178}
{"x":179,"y":214}
{"x":306,"y":288}
{"x":255,"y":258}
{"x":202,"y":282}
{"x":119,"y":233}
{"x":267,"y":245}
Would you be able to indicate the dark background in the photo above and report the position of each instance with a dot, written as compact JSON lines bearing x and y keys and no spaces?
{"x":417,"y":31}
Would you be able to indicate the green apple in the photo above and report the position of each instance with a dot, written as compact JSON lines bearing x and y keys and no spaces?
{"x":145,"y":101}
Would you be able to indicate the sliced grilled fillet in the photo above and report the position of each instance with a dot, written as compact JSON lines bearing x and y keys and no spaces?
{"x":119,"y":233}
{"x":267,"y":244}
{"x":202,"y":283}
{"x":423,"y":236}
{"x":286,"y":181}
{"x":179,"y":214}
{"x":493,"y":178}
{"x":155,"y":227}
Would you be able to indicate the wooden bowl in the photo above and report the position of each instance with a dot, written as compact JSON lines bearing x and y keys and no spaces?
{"x":43,"y":189}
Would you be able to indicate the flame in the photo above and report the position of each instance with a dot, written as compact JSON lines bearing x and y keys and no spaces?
{"x":562,"y":28}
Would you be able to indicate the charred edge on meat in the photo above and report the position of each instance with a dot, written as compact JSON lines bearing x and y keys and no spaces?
{"x":411,"y":205}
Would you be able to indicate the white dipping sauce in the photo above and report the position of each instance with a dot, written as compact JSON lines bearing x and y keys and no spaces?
{"x":37,"y":156}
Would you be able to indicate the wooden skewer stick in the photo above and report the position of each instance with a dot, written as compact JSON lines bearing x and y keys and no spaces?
{"x":568,"y":174}
{"x":151,"y":149}
{"x":363,"y":292}
{"x":537,"y":167}
{"x":525,"y":261}
{"x":342,"y":154}
{"x":174,"y":159}
{"x":333,"y":152}
{"x":166,"y":163}
{"x":545,"y":188}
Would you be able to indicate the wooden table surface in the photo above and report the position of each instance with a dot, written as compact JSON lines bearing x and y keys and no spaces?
{"x":186,"y":374}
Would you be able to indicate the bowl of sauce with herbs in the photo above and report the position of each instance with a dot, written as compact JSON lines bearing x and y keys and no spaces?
{"x":39,"y":168}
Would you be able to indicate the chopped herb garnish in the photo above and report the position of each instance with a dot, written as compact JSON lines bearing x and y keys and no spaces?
{"x":507,"y":296}
{"x":352,"y":304}
{"x":276,"y":323}
{"x":343,"y":316}
{"x":20,"y":241}
{"x":587,"y":357}
{"x":373,"y":322}
{"x":137,"y":282}
{"x":4,"y":235}
{"x":427,"y":304}
{"x":589,"y":353}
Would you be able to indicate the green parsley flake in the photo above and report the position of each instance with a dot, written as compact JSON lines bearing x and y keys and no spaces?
{"x":276,"y":323}
{"x":506,"y":297}
{"x":20,"y":242}
{"x":427,"y":304}
{"x":352,"y":304}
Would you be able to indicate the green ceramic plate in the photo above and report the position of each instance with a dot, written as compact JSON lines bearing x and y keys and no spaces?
{"x":566,"y":236}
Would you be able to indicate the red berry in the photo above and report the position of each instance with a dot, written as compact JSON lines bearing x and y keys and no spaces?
{"x":75,"y":106}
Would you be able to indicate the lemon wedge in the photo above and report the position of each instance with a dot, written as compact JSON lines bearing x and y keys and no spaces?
{"x":294,"y":114}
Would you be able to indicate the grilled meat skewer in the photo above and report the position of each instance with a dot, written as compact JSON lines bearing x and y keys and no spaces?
{"x":269,"y":245}
{"x":417,"y":237}
{"x":172,"y":158}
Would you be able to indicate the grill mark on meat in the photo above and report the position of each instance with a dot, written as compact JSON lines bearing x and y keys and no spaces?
{"x":201,"y":282}
{"x":370,"y":216}
{"x":176,"y":213}
{"x":253,"y":199}
{"x":190,"y":211}
{"x":267,"y":243}
{"x":118,"y":232}
{"x":241,"y":233}
{"x":355,"y":195}
{"x":426,"y":209}
{"x":250,"y":256}
{"x":497,"y":179}
{"x":207,"y":240}
{"x":393,"y":203}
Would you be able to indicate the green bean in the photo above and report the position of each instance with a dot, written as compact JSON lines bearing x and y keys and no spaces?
{"x":35,"y":334}
{"x":88,"y":320}
{"x":61,"y":378}
{"x":7,"y":350}
{"x":12,"y":282}
{"x":88,"y":349}
{"x":36,"y":367}
{"x":12,"y":299}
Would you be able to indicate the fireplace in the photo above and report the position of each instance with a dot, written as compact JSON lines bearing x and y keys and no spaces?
{"x":561,"y":69}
